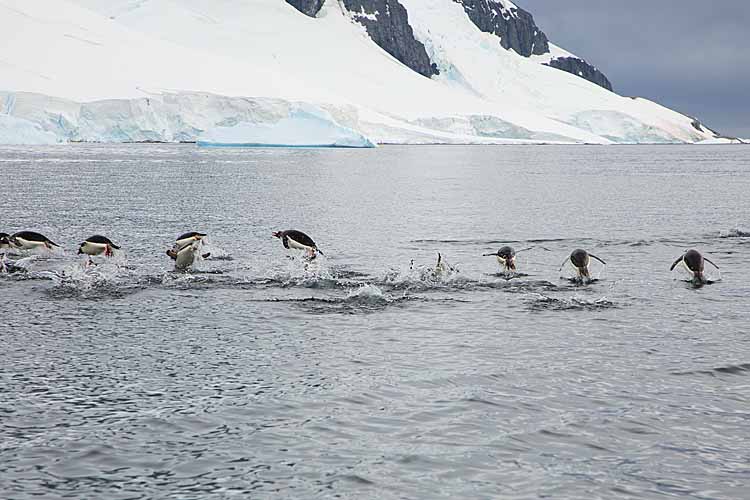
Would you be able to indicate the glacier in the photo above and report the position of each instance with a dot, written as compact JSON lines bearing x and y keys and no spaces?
{"x":19,"y":131}
{"x":307,"y":127}
{"x":190,"y":70}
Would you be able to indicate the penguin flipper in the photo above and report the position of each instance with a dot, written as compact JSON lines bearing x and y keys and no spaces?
{"x":707,"y":260}
{"x":597,"y":258}
{"x":564,"y":262}
{"x":674,"y":264}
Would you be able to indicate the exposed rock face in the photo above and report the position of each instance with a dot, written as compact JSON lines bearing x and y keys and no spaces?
{"x":517,"y":30}
{"x":387,"y":23}
{"x":514,"y":26}
{"x":581,"y":68}
{"x":307,"y":7}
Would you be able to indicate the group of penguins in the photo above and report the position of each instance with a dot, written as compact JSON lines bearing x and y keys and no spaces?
{"x":187,"y":248}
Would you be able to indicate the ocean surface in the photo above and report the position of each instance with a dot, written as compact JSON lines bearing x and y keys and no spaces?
{"x":365,"y":374}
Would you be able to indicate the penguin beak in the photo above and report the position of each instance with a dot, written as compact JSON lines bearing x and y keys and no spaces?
{"x":277,"y":234}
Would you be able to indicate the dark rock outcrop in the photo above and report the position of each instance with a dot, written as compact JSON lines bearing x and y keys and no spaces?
{"x":387,"y":23}
{"x":581,"y":68}
{"x":307,"y":7}
{"x":514,"y":26}
{"x":517,"y":30}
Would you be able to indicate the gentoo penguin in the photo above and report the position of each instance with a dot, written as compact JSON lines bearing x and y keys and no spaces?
{"x":185,"y":249}
{"x":580,"y":260}
{"x":297,"y":240}
{"x":442,"y":266}
{"x":4,"y":241}
{"x":97,"y":245}
{"x":506,"y":257}
{"x":694,"y":261}
{"x":29,"y":240}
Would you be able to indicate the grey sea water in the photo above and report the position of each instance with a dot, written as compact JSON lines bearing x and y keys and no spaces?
{"x":255,"y":376}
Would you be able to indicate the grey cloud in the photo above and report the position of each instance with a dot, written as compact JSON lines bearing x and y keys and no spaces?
{"x":690,"y":55}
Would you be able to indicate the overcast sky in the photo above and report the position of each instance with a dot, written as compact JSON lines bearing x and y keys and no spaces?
{"x":690,"y":55}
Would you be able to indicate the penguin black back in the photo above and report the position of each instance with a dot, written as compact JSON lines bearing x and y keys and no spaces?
{"x":191,"y":234}
{"x":102,"y":240}
{"x":33,"y":236}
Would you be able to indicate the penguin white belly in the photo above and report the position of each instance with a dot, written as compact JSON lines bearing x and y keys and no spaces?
{"x":186,"y":256}
{"x":93,"y":248}
{"x":29,"y":245}
{"x":298,"y":246}
{"x":180,"y":244}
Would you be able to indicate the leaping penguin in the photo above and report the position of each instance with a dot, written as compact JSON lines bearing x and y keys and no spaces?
{"x":29,"y":240}
{"x":694,"y":262}
{"x":506,"y":257}
{"x":442,"y":266}
{"x":97,"y":245}
{"x":580,"y":259}
{"x":185,"y":249}
{"x":297,"y":240}
{"x":4,"y":241}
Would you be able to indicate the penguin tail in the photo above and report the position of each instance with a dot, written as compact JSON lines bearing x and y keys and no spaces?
{"x":50,"y":242}
{"x":114,"y":246}
{"x":319,"y":251}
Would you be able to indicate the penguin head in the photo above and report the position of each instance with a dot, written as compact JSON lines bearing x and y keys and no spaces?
{"x":506,"y":253}
{"x":80,"y":248}
{"x":278,"y":234}
{"x":4,"y":240}
{"x":579,"y":258}
{"x":694,"y":261}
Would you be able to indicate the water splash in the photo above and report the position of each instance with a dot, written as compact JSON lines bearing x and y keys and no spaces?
{"x":540,"y":302}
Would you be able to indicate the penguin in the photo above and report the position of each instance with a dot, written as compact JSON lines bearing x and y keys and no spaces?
{"x":580,"y":259}
{"x":185,"y":250}
{"x":694,"y":262}
{"x":97,"y":245}
{"x":506,"y":257}
{"x":442,"y":267}
{"x":4,"y":241}
{"x":29,"y":240}
{"x":188,"y":238}
{"x":297,"y":240}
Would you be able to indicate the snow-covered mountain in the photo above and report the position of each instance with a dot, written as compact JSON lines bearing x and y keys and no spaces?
{"x":394,"y":71}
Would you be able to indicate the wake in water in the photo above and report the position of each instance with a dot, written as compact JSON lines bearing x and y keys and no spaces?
{"x":734,"y":233}
{"x":105,"y":280}
{"x":539,"y":302}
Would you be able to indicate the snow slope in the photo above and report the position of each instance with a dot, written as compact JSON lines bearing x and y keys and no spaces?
{"x":123,"y":70}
